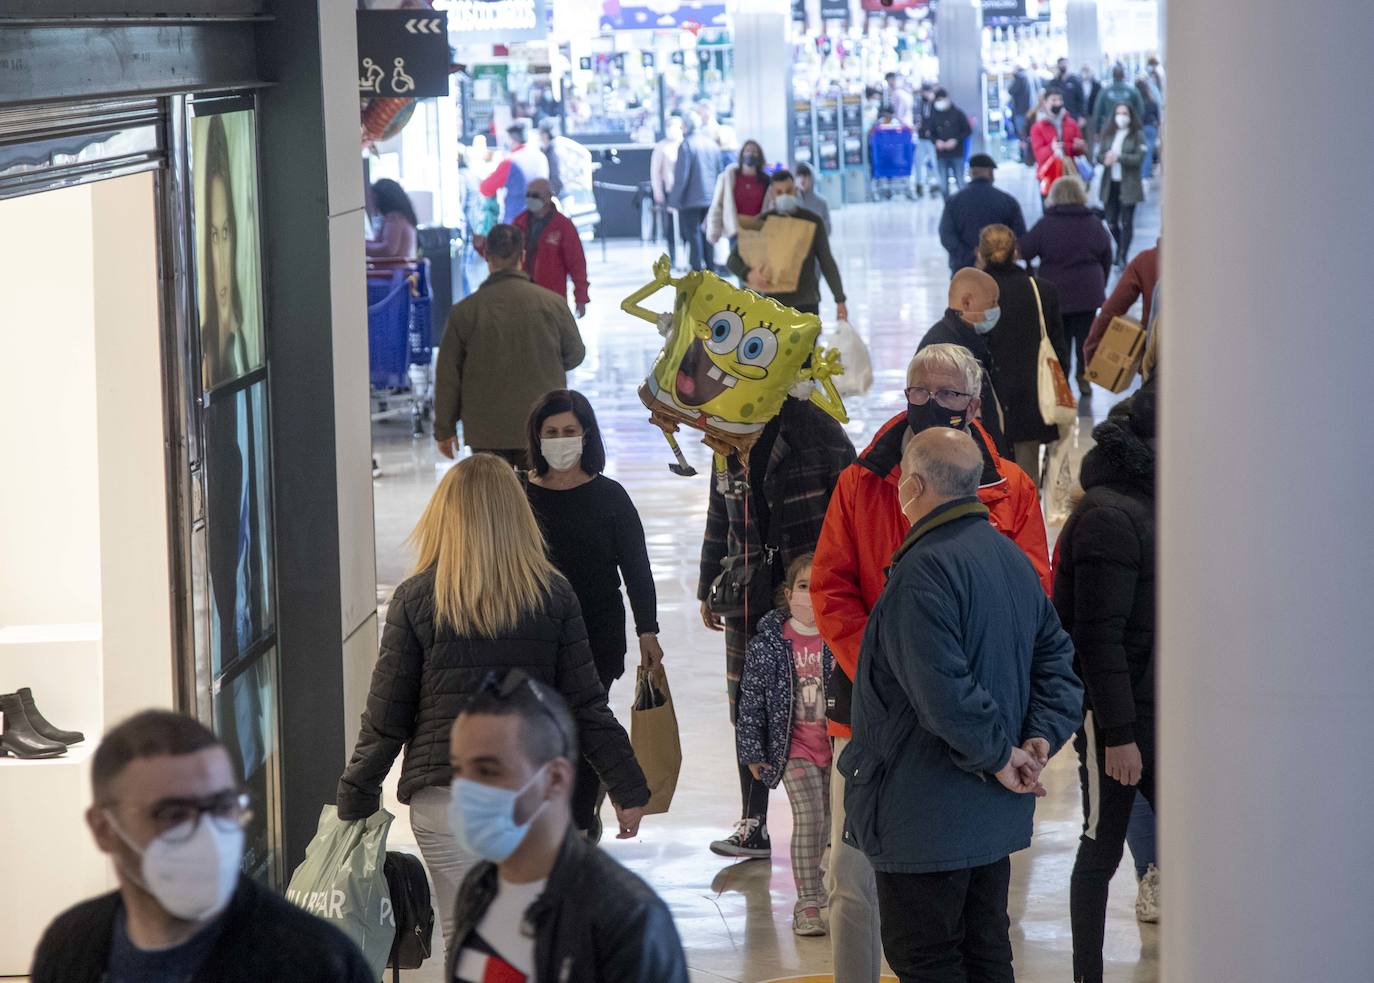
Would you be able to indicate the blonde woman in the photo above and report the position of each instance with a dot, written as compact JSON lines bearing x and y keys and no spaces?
{"x":484,"y":597}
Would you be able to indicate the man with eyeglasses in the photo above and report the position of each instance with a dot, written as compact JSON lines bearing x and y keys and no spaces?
{"x":170,"y":812}
{"x":864,"y":526}
{"x":545,"y":904}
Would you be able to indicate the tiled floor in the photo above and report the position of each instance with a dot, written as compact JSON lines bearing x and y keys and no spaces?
{"x":735,"y":919}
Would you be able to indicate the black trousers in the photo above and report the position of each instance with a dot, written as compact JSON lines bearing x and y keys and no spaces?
{"x":1076,"y":327}
{"x":1106,"y":814}
{"x":698,"y":249}
{"x":1120,"y":219}
{"x":587,"y":788}
{"x":669,"y":231}
{"x":949,"y":927}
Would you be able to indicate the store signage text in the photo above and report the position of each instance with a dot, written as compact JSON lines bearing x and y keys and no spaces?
{"x":498,"y":21}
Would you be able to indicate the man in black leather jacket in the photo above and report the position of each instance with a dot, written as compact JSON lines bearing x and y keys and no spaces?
{"x":545,"y":905}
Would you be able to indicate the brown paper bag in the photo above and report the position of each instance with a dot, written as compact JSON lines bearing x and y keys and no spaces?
{"x":789,"y":244}
{"x":654,"y":737}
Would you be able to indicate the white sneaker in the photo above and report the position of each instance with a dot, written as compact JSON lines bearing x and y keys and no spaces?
{"x":1147,"y":897}
{"x":807,"y":922}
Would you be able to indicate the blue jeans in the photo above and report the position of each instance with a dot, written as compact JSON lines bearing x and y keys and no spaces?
{"x":925,"y":163}
{"x":950,"y":167}
{"x":1140,"y":836}
{"x":1147,"y":168}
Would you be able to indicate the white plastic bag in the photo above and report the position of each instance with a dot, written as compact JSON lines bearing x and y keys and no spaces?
{"x":858,"y":370}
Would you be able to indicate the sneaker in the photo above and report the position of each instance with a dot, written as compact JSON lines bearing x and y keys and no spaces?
{"x":750,"y":839}
{"x":808,"y":922}
{"x":1147,"y":897}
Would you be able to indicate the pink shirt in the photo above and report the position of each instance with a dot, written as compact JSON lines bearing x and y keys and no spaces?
{"x":809,"y":738}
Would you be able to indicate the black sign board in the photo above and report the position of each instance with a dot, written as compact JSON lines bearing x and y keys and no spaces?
{"x":835,"y":10}
{"x":679,"y":57}
{"x":647,"y":59}
{"x":585,"y":63}
{"x":799,"y":11}
{"x":402,"y":53}
{"x":803,"y":138}
{"x":852,"y":123}
{"x":828,"y":133}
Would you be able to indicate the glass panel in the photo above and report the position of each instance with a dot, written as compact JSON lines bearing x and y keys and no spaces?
{"x":71,"y":150}
{"x":246,"y":720}
{"x":238,"y":522}
{"x":228,"y":265}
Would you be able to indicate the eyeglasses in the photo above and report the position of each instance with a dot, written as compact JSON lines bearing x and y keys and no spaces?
{"x":176,"y":820}
{"x":950,"y":399}
{"x":505,"y":687}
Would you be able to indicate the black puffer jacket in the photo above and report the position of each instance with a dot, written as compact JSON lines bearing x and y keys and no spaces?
{"x":423,"y":675}
{"x":595,"y":922}
{"x":1104,"y":582}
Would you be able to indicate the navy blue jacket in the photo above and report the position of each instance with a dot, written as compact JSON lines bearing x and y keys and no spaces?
{"x":763,"y":715}
{"x":970,"y":211}
{"x":963,"y":658}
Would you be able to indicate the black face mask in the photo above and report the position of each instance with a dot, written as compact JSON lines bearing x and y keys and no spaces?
{"x":932,"y":414}
{"x":751,"y":160}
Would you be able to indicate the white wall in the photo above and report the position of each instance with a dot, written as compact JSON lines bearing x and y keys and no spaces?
{"x":49,"y":513}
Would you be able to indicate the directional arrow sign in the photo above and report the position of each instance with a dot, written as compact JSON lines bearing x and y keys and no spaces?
{"x":402,"y":55}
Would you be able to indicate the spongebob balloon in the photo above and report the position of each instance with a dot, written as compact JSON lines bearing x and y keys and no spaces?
{"x":730,"y":359}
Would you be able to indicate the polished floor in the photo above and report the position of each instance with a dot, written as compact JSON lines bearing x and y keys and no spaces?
{"x":735,"y":919}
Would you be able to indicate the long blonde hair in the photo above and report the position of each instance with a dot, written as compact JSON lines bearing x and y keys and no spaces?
{"x":484,"y":545}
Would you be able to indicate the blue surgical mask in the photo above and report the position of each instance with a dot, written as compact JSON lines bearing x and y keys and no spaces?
{"x":990,"y":318}
{"x":482,"y":818}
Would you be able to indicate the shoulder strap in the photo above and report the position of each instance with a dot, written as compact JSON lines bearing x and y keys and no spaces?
{"x":1039,"y":307}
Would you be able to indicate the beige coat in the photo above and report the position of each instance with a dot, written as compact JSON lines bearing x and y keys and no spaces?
{"x":505,"y":346}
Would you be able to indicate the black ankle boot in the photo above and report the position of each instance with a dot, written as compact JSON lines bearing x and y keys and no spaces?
{"x":42,"y":727}
{"x":18,"y":737}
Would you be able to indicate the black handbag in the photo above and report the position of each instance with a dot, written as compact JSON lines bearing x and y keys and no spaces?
{"x":745,"y":582}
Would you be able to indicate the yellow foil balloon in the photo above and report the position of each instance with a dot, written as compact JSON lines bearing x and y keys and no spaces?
{"x":731,"y":357}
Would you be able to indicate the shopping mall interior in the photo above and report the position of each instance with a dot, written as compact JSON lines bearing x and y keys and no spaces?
{"x":244,"y":239}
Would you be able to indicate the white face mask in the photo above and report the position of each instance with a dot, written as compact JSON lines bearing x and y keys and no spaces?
{"x":907,"y":493}
{"x":942,"y":104}
{"x":1122,"y":121}
{"x":192,"y":879}
{"x":562,"y":453}
{"x":785,"y":204}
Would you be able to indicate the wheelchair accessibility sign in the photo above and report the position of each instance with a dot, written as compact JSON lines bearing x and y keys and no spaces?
{"x":401,"y":55}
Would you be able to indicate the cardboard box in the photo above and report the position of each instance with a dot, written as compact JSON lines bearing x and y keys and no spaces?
{"x":778,"y":250}
{"x":1117,"y":358}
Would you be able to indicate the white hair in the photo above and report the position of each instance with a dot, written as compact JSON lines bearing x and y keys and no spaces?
{"x":1067,"y":190}
{"x":955,"y":358}
{"x":946,"y":477}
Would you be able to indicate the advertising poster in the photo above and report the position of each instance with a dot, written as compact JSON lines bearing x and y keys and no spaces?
{"x":228,"y":272}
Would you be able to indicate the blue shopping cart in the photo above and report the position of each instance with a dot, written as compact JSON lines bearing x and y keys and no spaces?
{"x":399,"y":342}
{"x":891,"y":151}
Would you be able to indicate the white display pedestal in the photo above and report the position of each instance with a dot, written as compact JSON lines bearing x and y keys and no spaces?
{"x":51,"y":861}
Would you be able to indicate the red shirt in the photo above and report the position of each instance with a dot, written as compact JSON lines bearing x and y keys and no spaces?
{"x":749,"y":192}
{"x":557,"y":256}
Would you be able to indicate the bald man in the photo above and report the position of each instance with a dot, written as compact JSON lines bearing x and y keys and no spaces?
{"x":965,"y":689}
{"x":553,"y":250}
{"x":971,"y":314}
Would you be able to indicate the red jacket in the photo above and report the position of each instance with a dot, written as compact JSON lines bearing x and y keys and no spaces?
{"x":557,"y":256}
{"x":864,"y":526}
{"x":1048,"y":167}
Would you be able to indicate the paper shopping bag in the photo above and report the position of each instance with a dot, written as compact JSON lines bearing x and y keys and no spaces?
{"x":654,"y":737}
{"x":343,"y":881}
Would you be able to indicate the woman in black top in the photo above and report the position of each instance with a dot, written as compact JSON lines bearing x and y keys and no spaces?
{"x":595,"y":538}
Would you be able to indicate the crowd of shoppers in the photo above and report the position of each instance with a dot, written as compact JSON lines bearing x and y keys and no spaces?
{"x":908,"y":658}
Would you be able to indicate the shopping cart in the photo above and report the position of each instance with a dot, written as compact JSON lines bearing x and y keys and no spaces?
{"x":399,"y":342}
{"x":892,"y":149}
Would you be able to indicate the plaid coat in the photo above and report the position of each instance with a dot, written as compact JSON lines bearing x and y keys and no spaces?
{"x":797,"y":478}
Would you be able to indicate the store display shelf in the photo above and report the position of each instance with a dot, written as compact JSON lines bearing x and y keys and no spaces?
{"x":76,"y":756}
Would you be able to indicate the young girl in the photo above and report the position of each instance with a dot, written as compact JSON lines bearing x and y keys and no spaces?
{"x":780,"y":730}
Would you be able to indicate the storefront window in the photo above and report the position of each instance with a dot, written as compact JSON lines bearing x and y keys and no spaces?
{"x":246,"y":719}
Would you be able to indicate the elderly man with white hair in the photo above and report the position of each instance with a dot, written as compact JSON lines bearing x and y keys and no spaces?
{"x":864,"y":526}
{"x":965,"y":689}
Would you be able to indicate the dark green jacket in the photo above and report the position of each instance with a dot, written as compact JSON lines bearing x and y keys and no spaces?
{"x":808,"y":292}
{"x":505,"y":345}
{"x":1112,"y":94}
{"x":1132,"y":158}
{"x":963,"y":658}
